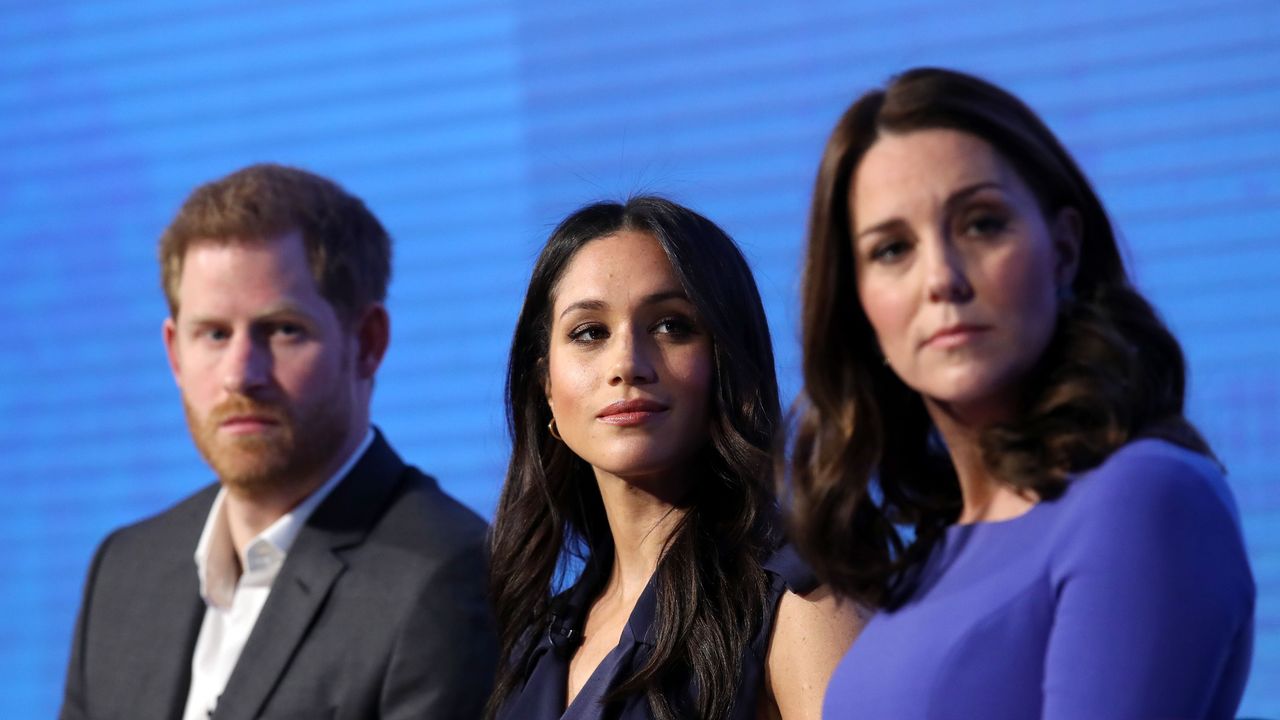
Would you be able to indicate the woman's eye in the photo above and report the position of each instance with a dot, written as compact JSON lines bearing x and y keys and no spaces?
{"x":985,"y":225}
{"x":676,"y":325}
{"x":889,"y":251}
{"x":586,"y":334}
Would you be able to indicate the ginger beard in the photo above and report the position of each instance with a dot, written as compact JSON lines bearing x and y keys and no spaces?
{"x":289,"y":454}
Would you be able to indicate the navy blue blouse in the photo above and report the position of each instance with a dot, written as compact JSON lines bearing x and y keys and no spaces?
{"x":542,"y":694}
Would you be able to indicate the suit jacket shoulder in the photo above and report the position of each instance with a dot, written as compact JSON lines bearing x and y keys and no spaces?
{"x":419,"y":513}
{"x":184,"y":519}
{"x":379,"y":611}
{"x":139,"y":618}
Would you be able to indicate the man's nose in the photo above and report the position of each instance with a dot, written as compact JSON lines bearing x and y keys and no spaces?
{"x":246,"y":366}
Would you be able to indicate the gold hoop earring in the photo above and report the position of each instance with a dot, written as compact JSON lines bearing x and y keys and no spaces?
{"x":551,"y":428}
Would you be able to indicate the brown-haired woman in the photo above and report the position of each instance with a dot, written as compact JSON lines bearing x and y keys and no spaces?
{"x":643,"y":407}
{"x":992,"y":449}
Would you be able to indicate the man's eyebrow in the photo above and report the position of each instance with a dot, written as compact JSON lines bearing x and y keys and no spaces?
{"x":956,"y":198}
{"x":650,"y":299}
{"x":281,"y":308}
{"x":271,"y":312}
{"x":200,"y":320}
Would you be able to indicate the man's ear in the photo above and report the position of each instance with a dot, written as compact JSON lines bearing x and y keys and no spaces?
{"x":1067,"y":236}
{"x":373,"y":335}
{"x":169,"y":333}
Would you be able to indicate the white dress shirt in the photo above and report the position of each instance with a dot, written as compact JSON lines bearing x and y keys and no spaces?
{"x":233,"y":599}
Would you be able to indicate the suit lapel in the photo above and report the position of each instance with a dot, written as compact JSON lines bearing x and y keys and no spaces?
{"x":312,"y":568}
{"x":175,"y":630}
{"x":296,"y":597}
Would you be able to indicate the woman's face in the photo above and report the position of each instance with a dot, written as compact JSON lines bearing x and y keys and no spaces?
{"x":958,"y":269}
{"x":629,"y":365}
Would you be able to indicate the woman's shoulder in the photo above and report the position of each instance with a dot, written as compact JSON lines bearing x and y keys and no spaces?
{"x":1150,"y":476}
{"x":814,"y":628}
{"x":804,"y":606}
{"x":1152,"y":504}
{"x":796,"y":598}
{"x":790,"y":571}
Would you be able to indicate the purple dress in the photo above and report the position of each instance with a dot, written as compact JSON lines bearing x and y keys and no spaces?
{"x":541,"y":696}
{"x":1128,"y":597}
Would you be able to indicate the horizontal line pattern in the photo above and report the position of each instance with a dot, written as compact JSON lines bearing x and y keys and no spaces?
{"x":107,"y":122}
{"x":1172,"y":109}
{"x":471,"y":129}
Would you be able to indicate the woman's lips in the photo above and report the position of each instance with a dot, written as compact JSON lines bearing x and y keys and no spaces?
{"x":955,"y":336}
{"x":627,"y":413}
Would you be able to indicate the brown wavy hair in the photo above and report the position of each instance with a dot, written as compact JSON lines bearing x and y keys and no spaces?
{"x":865,"y":464}
{"x":711,"y":585}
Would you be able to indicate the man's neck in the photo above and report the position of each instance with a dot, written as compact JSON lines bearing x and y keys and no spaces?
{"x":247,"y":517}
{"x":248,"y":514}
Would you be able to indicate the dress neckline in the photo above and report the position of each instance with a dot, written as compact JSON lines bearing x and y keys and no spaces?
{"x":994,"y":526}
{"x":636,"y":631}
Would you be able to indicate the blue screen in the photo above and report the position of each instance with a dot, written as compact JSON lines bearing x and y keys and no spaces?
{"x":472,"y":128}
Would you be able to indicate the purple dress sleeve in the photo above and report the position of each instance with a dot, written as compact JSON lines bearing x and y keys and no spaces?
{"x":1130,"y":596}
{"x":1154,"y":595}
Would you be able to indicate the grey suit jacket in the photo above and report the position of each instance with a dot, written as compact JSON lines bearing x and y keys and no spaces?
{"x":379,"y":611}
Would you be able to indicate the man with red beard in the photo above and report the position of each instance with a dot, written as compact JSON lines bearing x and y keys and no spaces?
{"x":320,"y":576}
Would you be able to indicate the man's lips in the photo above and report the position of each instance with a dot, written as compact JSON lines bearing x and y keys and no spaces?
{"x":247,"y":423}
{"x":954,"y":335}
{"x":630,"y":412}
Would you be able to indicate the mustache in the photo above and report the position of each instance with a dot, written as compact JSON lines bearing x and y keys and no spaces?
{"x":241,"y":405}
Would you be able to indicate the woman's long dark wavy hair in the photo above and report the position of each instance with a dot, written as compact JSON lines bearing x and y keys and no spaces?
{"x":711,"y":585}
{"x":864,"y":463}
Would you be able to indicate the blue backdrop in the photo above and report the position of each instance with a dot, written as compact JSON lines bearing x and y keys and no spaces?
{"x":471,"y":128}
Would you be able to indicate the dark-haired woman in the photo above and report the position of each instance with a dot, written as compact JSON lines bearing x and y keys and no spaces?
{"x":992,"y":449}
{"x":643,"y":407}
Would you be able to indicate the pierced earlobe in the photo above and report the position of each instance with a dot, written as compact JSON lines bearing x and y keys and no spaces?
{"x":551,"y":428}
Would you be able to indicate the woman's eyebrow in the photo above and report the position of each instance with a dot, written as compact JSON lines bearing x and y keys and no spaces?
{"x":968,"y":191}
{"x":664,"y":295}
{"x":585,"y":304}
{"x":650,"y":299}
{"x":956,"y":198}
